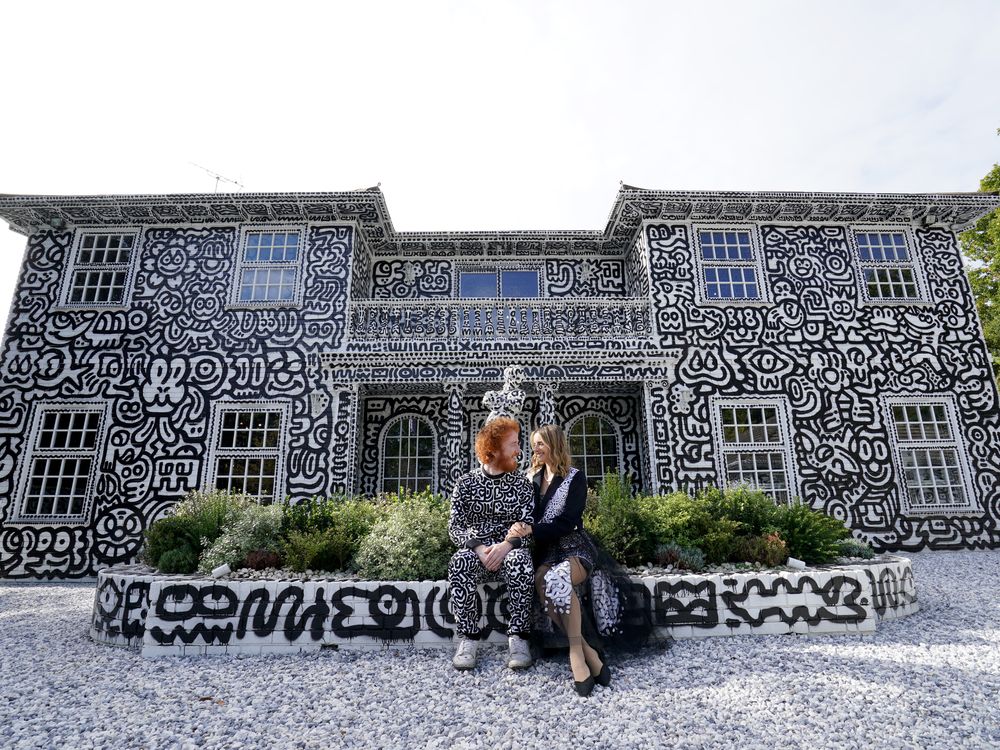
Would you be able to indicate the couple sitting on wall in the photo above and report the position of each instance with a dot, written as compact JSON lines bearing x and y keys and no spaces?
{"x":527,"y":531}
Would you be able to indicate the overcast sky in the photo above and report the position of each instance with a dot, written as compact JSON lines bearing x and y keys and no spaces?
{"x":495,"y":115}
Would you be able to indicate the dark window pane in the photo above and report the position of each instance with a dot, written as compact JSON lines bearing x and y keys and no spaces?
{"x":478,"y":285}
{"x":520,"y":283}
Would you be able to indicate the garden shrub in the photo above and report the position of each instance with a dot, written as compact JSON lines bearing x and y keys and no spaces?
{"x":261,"y":559}
{"x":171,"y":534}
{"x":768,"y":549}
{"x":687,"y":558}
{"x":307,"y":550}
{"x":409,"y":541}
{"x":210,"y":513}
{"x":181,"y":559}
{"x":811,"y":536}
{"x":195,"y":523}
{"x":677,"y":518}
{"x":314,"y":514}
{"x":855,"y":548}
{"x":613,"y":517}
{"x":718,"y":541}
{"x":754,"y":511}
{"x":257,"y":527}
{"x":326,"y":534}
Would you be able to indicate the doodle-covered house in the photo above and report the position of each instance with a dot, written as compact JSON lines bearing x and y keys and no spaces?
{"x":821,"y":346}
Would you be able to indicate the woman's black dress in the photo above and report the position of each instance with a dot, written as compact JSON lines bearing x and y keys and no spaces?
{"x":615,"y":611}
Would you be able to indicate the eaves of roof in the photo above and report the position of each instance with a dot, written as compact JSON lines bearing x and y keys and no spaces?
{"x":367,"y":208}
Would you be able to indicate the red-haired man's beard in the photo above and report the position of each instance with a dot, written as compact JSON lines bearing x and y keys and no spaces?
{"x":505,"y":463}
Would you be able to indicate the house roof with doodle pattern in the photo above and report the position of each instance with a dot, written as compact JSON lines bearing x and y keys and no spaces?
{"x":367,"y":208}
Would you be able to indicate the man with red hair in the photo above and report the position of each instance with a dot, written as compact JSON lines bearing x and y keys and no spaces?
{"x":484,"y":504}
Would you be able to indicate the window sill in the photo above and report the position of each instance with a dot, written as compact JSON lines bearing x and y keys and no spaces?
{"x":736,"y":303}
{"x":897,"y":303}
{"x":86,"y":307}
{"x":48,"y":521}
{"x":949,"y":512}
{"x":252,"y":306}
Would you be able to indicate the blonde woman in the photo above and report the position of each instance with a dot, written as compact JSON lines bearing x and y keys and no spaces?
{"x":565,"y":556}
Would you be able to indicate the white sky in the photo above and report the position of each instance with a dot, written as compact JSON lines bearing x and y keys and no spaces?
{"x":495,"y":115}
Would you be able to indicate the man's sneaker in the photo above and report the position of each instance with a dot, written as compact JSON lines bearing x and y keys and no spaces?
{"x":520,"y":653}
{"x":465,"y":654}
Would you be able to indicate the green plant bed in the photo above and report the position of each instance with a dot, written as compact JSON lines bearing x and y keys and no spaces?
{"x":404,"y":536}
{"x":729,"y":525}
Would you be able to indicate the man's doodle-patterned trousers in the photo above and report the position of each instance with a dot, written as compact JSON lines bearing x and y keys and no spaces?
{"x":466,"y":572}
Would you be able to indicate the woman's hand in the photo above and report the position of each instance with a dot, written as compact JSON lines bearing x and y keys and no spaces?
{"x":520,"y":529}
{"x":495,"y":555}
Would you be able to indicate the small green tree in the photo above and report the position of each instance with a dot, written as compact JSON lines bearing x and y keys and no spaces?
{"x":981,"y":247}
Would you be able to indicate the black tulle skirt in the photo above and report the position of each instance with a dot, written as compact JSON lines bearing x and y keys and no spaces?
{"x":616,"y":612}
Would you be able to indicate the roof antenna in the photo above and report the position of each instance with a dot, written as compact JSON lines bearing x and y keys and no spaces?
{"x":218,"y":177}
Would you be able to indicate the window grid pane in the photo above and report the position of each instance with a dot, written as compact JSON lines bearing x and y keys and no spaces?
{"x":887,"y":265}
{"x":101,"y":268}
{"x":753,"y":448}
{"x":269,"y":267}
{"x":62,"y":458}
{"x":765,"y":470}
{"x":891,"y":283}
{"x":268,"y":285}
{"x":593,"y":443}
{"x":929,"y":461}
{"x":248,"y":452}
{"x":272,"y":247}
{"x":882,"y":247}
{"x":408,"y":456}
{"x":749,"y":425}
{"x":725,"y":245}
{"x":729,"y":267}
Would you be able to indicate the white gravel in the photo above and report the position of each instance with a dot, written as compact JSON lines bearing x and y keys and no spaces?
{"x":927,"y":681}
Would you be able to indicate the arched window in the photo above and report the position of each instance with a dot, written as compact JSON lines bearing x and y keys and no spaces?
{"x":408,"y":455}
{"x":595,"y":445}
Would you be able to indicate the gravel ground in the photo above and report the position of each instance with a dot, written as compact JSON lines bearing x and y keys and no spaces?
{"x":930,"y":680}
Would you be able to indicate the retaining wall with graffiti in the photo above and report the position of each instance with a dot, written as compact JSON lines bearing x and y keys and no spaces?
{"x":185,"y":615}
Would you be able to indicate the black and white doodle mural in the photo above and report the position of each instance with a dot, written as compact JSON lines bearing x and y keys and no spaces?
{"x":162,"y":615}
{"x":822,"y":346}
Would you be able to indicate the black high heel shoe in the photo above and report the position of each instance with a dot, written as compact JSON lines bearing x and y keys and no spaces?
{"x":603,"y":678}
{"x":584,"y":688}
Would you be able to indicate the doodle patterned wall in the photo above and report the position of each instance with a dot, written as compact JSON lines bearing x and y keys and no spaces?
{"x":630,"y":338}
{"x":434,"y":278}
{"x":160,"y":616}
{"x":832,"y":356}
{"x":159,"y":366}
{"x":624,"y":412}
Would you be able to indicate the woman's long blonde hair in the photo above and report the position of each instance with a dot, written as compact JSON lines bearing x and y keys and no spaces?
{"x":554,"y":437}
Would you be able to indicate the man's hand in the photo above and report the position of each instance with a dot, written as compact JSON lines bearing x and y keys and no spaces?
{"x":481,"y":551}
{"x":495,"y":555}
{"x":520,"y":529}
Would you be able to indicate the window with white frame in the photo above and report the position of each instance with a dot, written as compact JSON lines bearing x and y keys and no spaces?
{"x":62,"y":461}
{"x":408,"y":455}
{"x":99,"y":268}
{"x":269,"y":267}
{"x":247,"y":449}
{"x":730,"y":265}
{"x":595,"y":445}
{"x":754,"y":447}
{"x":887,"y":265}
{"x":928,"y":455}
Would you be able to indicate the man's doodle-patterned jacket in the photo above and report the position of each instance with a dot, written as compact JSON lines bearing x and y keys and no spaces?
{"x":484,"y":506}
